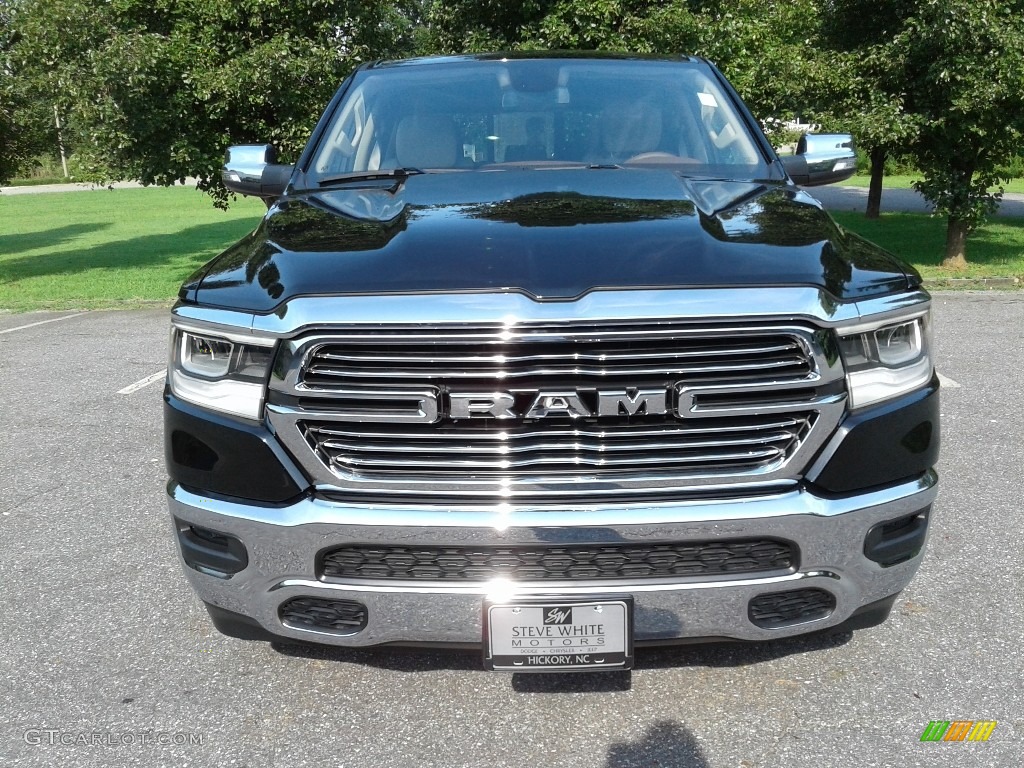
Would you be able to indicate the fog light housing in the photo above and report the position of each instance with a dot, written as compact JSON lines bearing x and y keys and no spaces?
{"x":896,"y":541}
{"x":211,"y":552}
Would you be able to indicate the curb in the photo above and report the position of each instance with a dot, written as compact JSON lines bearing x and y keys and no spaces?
{"x":984,"y":283}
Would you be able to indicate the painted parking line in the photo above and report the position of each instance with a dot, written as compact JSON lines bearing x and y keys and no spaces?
{"x":142,"y":383}
{"x":948,"y":382}
{"x":41,"y":322}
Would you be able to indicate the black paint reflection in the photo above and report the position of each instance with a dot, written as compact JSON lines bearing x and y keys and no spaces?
{"x":570,"y":209}
{"x":552,"y":234}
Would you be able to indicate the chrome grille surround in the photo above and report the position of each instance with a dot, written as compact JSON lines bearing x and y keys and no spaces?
{"x":363,"y":409}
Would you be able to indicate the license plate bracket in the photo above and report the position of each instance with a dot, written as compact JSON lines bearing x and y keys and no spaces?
{"x":552,"y":634}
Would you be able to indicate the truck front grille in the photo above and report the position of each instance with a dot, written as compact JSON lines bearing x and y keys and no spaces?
{"x":552,"y":563}
{"x":372,"y":413}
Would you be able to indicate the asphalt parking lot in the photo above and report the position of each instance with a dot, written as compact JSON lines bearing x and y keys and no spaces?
{"x":109,"y":660}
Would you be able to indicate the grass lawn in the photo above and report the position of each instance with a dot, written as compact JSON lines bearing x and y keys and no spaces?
{"x":906,"y":182}
{"x":995,"y":250}
{"x":105,"y":248}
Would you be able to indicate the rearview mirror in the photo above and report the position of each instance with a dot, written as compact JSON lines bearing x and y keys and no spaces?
{"x":252,"y":169}
{"x":821,"y":159}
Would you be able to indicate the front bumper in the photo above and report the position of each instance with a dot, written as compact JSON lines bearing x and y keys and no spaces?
{"x":282,"y":543}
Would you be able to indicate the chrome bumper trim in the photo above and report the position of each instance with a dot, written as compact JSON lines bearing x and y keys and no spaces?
{"x":283,"y":542}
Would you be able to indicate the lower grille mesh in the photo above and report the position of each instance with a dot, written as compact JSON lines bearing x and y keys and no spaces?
{"x":543,"y":563}
{"x":344,"y":617}
{"x":780,"y":609}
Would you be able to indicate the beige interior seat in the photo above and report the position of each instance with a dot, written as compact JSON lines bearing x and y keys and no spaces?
{"x":627,"y":130}
{"x":426,"y":141}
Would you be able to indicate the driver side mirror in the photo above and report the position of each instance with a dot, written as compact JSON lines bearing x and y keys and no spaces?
{"x":252,"y":169}
{"x":821,"y":159}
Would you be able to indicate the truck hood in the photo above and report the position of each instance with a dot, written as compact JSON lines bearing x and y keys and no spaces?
{"x":553,"y":234}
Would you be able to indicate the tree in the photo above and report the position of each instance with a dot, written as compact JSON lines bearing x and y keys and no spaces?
{"x":156,"y":90}
{"x":763,"y":46}
{"x":10,"y":150}
{"x":863,"y":33}
{"x":964,"y":76}
{"x":12,"y":135}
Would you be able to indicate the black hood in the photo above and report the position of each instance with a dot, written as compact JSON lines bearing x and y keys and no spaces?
{"x":554,"y":234}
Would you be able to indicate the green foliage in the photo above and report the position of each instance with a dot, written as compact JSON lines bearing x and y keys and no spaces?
{"x":41,"y":166}
{"x":10,"y":150}
{"x":870,"y":102}
{"x":767,"y":50}
{"x":763,"y":46}
{"x":155,"y":91}
{"x":964,"y":77}
{"x":14,"y":141}
{"x":1012,"y":168}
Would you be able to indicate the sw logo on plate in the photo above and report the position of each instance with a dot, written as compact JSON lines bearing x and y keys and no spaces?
{"x":558,"y":615}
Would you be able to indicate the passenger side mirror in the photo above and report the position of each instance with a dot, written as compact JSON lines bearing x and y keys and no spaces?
{"x":252,"y":169}
{"x":821,"y":159}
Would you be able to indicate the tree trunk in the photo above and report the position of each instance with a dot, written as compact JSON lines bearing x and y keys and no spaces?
{"x":875,"y":190}
{"x":956,"y":242}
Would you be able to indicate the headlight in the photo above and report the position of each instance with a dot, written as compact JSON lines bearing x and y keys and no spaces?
{"x":886,"y":361}
{"x":219,"y":373}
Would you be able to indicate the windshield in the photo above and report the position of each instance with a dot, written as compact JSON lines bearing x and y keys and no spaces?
{"x":497,"y":114}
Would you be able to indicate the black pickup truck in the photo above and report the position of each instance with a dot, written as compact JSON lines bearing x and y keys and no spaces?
{"x":548,"y":355}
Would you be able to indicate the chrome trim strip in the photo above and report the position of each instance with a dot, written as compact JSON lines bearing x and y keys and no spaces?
{"x":233,"y":325}
{"x":468,"y":522}
{"x":885,"y":318}
{"x":574,"y":589}
{"x":460,"y":440}
{"x":425,"y":411}
{"x":612,"y":449}
{"x":703,"y":304}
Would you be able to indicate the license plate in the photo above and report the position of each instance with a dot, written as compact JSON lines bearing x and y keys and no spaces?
{"x":556,"y":635}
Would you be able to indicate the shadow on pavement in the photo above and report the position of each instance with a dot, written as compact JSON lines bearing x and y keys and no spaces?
{"x":665,"y":744}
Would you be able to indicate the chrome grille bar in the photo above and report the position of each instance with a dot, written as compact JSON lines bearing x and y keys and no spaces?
{"x":411,"y":359}
{"x":669,"y":449}
{"x":457,"y":437}
{"x":318,"y":370}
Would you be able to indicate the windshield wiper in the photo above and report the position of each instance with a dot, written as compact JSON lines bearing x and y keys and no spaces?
{"x":389,"y":174}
